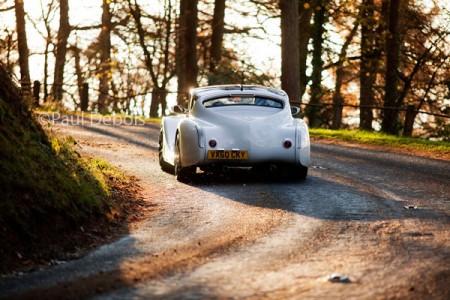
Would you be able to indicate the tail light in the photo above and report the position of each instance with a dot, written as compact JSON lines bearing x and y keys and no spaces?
{"x":212,"y":143}
{"x":287,"y":144}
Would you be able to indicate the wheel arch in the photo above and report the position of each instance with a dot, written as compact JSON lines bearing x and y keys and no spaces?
{"x":191,"y":151}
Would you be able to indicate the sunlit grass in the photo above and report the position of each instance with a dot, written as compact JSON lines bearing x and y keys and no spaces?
{"x":377,"y":138}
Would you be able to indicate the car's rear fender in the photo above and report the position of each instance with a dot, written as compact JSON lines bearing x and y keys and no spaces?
{"x":192,"y":143}
{"x":303,"y":144}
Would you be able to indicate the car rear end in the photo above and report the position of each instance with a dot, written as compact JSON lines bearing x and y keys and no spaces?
{"x":247,"y":135}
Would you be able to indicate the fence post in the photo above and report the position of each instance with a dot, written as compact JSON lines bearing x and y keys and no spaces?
{"x":84,"y":101}
{"x":337,"y":113}
{"x":36,"y":91}
{"x":409,"y":120}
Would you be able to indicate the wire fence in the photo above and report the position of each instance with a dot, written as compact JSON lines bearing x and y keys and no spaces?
{"x":405,"y":109}
{"x":321,"y":105}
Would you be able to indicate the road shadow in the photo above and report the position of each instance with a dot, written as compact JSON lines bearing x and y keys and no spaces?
{"x":330,"y":197}
{"x":321,"y":196}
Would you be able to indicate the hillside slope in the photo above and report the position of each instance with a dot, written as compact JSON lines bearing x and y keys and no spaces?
{"x":47,"y":190}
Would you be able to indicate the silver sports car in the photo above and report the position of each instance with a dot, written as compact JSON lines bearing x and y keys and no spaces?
{"x":234,"y":126}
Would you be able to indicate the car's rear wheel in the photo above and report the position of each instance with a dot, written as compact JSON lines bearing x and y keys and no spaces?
{"x":183,"y":174}
{"x":165,"y":166}
{"x":298,"y":173}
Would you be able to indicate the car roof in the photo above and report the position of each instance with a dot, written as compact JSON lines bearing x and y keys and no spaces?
{"x":218,"y":90}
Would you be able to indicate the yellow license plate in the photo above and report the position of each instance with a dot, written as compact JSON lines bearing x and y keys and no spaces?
{"x":228,"y":154}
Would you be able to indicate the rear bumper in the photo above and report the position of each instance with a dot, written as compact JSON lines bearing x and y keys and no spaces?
{"x":269,"y":166}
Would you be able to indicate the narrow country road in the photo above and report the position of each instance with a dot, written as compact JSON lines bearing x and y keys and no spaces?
{"x":381,"y":219}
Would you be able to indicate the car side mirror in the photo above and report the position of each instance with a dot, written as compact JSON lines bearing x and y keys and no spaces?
{"x":295,"y":110}
{"x":178,"y":109}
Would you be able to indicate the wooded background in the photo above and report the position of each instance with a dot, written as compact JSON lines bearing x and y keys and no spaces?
{"x":369,"y":64}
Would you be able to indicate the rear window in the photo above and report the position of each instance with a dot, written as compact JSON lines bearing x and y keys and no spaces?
{"x":243,"y":100}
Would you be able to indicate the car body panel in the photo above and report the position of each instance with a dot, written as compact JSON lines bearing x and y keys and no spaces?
{"x":169,"y":127}
{"x":259,"y":130}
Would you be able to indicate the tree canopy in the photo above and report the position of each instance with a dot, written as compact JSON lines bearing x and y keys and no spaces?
{"x":374,"y":64}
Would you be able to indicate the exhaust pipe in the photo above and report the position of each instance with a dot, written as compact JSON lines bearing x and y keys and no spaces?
{"x":272,"y":168}
{"x":225,"y":169}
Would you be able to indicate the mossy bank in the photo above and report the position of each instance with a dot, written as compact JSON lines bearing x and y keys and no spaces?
{"x":47,"y":190}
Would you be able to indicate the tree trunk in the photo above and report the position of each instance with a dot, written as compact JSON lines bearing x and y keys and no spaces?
{"x":187,"y":68}
{"x":36,"y":92}
{"x":218,"y":24}
{"x":48,"y":42}
{"x":154,"y":104}
{"x":105,"y":58}
{"x":25,"y":80}
{"x":158,"y":98}
{"x":136,"y":13}
{"x":290,"y":64}
{"x":317,"y":63}
{"x":390,"y":123}
{"x":304,"y":34}
{"x":46,"y":53}
{"x":165,"y":67}
{"x":167,"y":56}
{"x":410,"y":116}
{"x":163,"y":103}
{"x":367,"y":75}
{"x":84,"y":96}
{"x":411,"y":110}
{"x":9,"y":66}
{"x":61,"y":49}
{"x":78,"y":72}
{"x":338,"y":101}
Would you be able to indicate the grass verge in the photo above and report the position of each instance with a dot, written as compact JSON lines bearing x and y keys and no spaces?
{"x":383,"y":140}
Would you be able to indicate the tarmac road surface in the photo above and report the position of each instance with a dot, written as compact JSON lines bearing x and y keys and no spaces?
{"x":364,"y":224}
